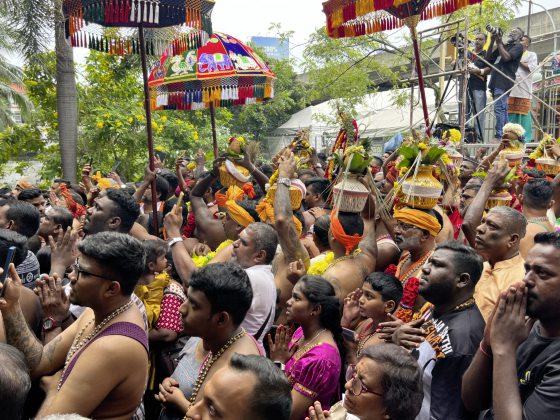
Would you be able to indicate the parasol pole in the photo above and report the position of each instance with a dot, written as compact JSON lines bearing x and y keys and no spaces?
{"x":148,"y":124}
{"x":214,"y":137}
{"x":412,"y":22}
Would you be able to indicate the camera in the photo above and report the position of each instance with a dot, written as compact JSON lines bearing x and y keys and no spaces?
{"x":494,"y":30}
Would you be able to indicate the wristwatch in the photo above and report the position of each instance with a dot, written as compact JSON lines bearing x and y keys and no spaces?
{"x":287,"y":182}
{"x":173,"y":241}
{"x":280,"y":365}
{"x":50,"y":324}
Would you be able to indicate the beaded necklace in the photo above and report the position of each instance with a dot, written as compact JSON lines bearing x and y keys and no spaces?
{"x":209,"y":361}
{"x":537,"y":219}
{"x":403,"y":277}
{"x":364,"y":337}
{"x":78,"y":342}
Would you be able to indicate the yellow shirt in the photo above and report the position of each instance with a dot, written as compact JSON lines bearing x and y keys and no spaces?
{"x":496,"y":279}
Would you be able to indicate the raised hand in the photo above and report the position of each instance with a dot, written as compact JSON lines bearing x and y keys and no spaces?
{"x":10,"y":290}
{"x":287,"y":166}
{"x":63,"y":250}
{"x":173,"y":222}
{"x":316,"y":412}
{"x":53,"y":299}
{"x":351,"y":309}
{"x":296,"y":270}
{"x":279,"y":348}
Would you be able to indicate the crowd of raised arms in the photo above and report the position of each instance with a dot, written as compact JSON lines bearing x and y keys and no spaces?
{"x":261,"y":297}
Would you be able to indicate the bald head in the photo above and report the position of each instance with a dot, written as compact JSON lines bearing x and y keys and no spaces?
{"x":514,"y":221}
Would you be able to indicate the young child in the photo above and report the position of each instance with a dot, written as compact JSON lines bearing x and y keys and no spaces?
{"x":365,"y":308}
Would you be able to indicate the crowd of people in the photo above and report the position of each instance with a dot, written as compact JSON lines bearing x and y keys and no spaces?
{"x":251,"y":305}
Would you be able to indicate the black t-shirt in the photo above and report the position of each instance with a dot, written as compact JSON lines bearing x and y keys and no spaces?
{"x":477,"y":82}
{"x":450,"y":346}
{"x":539,"y":377}
{"x":497,"y":81}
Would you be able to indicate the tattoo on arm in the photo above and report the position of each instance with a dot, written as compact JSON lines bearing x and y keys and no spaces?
{"x":20,"y":336}
{"x":50,"y":349}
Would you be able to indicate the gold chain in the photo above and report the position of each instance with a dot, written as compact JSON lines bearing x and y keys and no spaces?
{"x":78,"y":342}
{"x":467,"y":304}
{"x":209,"y":361}
{"x":344,"y":257}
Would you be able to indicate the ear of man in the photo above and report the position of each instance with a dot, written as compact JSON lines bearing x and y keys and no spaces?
{"x":464,"y":280}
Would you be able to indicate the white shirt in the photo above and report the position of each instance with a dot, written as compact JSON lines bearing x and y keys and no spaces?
{"x":264,"y":300}
{"x":524,"y":82}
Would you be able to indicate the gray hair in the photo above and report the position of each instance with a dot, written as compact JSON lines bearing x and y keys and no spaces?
{"x":65,"y":417}
{"x":15,"y":382}
{"x":266,"y":239}
{"x":515,"y":221}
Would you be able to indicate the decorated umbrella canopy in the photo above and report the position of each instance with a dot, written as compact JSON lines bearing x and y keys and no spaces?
{"x":85,"y":17}
{"x":224,"y":72}
{"x":350,"y":18}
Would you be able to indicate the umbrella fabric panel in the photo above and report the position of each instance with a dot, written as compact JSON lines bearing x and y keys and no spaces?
{"x":222,"y":56}
{"x":350,"y":18}
{"x":132,"y":13}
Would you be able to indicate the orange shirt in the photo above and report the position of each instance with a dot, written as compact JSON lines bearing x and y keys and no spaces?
{"x":496,"y":279}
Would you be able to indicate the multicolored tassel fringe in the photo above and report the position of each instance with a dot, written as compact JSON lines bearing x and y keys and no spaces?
{"x":350,"y":18}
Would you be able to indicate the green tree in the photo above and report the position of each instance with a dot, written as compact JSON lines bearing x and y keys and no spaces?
{"x":34,"y":22}
{"x":259,"y":120}
{"x":112,"y":121}
{"x":11,"y":80}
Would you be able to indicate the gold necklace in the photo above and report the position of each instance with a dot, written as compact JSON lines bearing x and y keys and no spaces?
{"x":344,"y":257}
{"x":467,"y":304}
{"x":78,"y":342}
{"x":312,"y":338}
{"x":209,"y":361}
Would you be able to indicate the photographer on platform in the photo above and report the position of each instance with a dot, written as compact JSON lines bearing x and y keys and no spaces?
{"x":505,"y":58}
{"x":478,"y":70}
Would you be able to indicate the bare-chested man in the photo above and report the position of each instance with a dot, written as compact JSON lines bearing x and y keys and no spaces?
{"x":349,"y":269}
{"x":100,"y":363}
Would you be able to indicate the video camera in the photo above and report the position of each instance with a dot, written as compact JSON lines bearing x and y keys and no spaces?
{"x":458,"y":41}
{"x":494,"y":30}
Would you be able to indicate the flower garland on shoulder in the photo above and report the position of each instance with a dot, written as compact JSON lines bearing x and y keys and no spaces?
{"x":201,"y":260}
{"x":317,"y":268}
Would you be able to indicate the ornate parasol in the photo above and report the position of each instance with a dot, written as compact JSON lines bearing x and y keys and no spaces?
{"x":85,"y":19}
{"x":224,"y":72}
{"x":350,"y":18}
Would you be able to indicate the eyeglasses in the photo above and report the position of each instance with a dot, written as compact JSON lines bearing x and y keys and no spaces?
{"x":357,"y":387}
{"x":78,"y":270}
{"x":405,"y":227}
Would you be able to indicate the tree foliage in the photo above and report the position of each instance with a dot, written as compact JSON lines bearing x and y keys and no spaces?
{"x":112,"y":119}
{"x":259,"y":120}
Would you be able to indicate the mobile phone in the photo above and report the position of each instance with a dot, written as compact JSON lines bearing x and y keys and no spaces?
{"x":9,"y":259}
{"x":348,"y":334}
{"x":90,"y":161}
{"x":116,"y":166}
